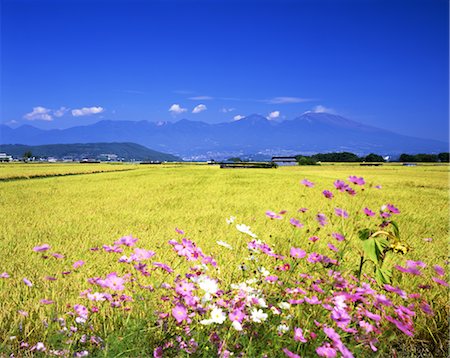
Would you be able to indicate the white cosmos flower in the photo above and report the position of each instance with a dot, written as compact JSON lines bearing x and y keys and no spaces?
{"x":282,"y":328}
{"x":275,"y":310}
{"x":217,"y":315}
{"x":246,"y":230}
{"x":237,"y":326}
{"x":264,"y":271}
{"x":230,"y":220}
{"x":208,"y":285}
{"x":224,"y":244}
{"x":284,"y":305}
{"x":258,"y":316}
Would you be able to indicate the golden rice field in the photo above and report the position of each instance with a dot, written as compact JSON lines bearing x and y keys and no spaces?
{"x":76,"y":213}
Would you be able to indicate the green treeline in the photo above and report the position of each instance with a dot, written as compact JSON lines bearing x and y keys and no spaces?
{"x":347,"y":157}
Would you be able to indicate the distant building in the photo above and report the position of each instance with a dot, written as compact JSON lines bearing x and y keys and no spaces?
{"x":52,"y":160}
{"x":285,"y":161}
{"x":108,"y":157}
{"x":5,"y":157}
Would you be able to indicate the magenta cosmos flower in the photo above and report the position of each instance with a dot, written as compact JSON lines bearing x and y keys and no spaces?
{"x":328,"y":194}
{"x":355,"y":180}
{"x":272,"y":215}
{"x":297,"y":253}
{"x":307,"y":183}
{"x":179,"y":312}
{"x":341,"y":213}
{"x":296,"y":223}
{"x":41,"y":248}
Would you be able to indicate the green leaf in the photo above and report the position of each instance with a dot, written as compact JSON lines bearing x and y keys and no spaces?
{"x":383,"y":275}
{"x":364,"y":234}
{"x":374,"y":248}
{"x":395,"y":229}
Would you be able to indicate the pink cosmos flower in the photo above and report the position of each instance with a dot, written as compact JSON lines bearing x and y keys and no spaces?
{"x":297,"y":253}
{"x":392,"y":209}
{"x":425,"y":307}
{"x":368,"y":212}
{"x":142,"y":254}
{"x":46,"y":302}
{"x":113,"y":282}
{"x":179,"y":312}
{"x":50,"y":278}
{"x":81,"y":311}
{"x":440,"y":282}
{"x":236,"y":315}
{"x":57,"y":256}
{"x":4,"y":275}
{"x":181,"y":232}
{"x":396,"y":290}
{"x":337,"y":236}
{"x":165,"y":267}
{"x":290,"y":354}
{"x":439,"y":270}
{"x":314,"y":238}
{"x":322,"y":219}
{"x":355,"y":180}
{"x":332,"y":247}
{"x":307,"y":183}
{"x":377,"y":186}
{"x":126,"y":240}
{"x":271,"y":278}
{"x":302,"y":210}
{"x":113,"y":248}
{"x":326,"y":351}
{"x":341,"y":213}
{"x":272,"y":215}
{"x":340,"y":185}
{"x":27,"y":282}
{"x":41,"y":248}
{"x":328,"y":194}
{"x":298,"y":335}
{"x":78,"y":264}
{"x":296,"y":223}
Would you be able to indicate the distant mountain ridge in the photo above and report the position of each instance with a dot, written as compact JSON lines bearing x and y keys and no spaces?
{"x":308,"y":133}
{"x":127,"y":151}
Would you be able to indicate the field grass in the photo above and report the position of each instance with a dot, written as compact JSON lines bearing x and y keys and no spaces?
{"x":76,"y":213}
{"x":11,"y":171}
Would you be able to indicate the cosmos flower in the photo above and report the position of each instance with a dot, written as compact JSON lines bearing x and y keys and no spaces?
{"x":41,"y":248}
{"x":78,"y":264}
{"x":245,"y":229}
{"x":328,"y":194}
{"x":179,"y":312}
{"x":297,"y":253}
{"x":258,"y":315}
{"x":337,"y":236}
{"x":224,"y":244}
{"x":355,"y":180}
{"x":368,"y":212}
{"x":307,"y":183}
{"x":298,"y":335}
{"x":341,"y":213}
{"x":296,"y":223}
{"x":273,"y":215}
{"x":322,"y":219}
{"x":27,"y":282}
{"x":126,"y":240}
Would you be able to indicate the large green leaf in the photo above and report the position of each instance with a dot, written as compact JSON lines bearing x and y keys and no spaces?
{"x":374,"y":248}
{"x":383,"y":275}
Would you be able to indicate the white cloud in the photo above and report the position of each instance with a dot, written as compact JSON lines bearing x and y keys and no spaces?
{"x":60,"y":112}
{"x":273,"y":115}
{"x":39,"y":113}
{"x":201,"y":98}
{"x":199,"y":108}
{"x":86,"y":111}
{"x":238,"y":117}
{"x":323,"y":109}
{"x":226,"y":110}
{"x":284,"y":100}
{"x":177,"y":109}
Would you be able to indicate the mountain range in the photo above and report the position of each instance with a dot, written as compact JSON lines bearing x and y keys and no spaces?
{"x":123,"y":151}
{"x":307,"y":134}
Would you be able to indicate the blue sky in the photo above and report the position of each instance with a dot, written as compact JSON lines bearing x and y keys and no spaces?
{"x":383,"y":63}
